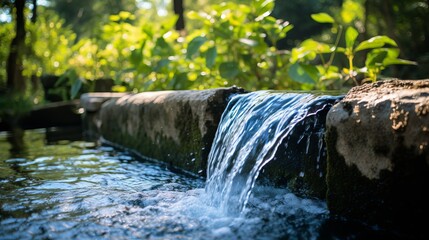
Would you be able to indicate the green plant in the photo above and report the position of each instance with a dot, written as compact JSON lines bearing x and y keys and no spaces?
{"x":312,"y":62}
{"x":5,"y":39}
{"x":68,"y":85}
{"x":237,"y":42}
{"x":49,"y":44}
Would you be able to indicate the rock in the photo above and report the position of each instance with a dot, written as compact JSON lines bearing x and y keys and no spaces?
{"x":175,"y":127}
{"x":378,"y":158}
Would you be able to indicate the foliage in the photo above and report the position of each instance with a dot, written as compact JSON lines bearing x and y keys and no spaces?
{"x":14,"y":105}
{"x":234,"y":46}
{"x":237,"y":43}
{"x":298,"y":13}
{"x":86,"y":17}
{"x":5,"y":39}
{"x":68,"y":85}
{"x":406,"y":23}
{"x":50,"y":43}
{"x":232,"y":43}
{"x":313,"y":61}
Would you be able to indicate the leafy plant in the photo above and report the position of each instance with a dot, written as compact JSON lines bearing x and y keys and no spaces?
{"x":313,"y":61}
{"x":68,"y":85}
{"x":238,"y":43}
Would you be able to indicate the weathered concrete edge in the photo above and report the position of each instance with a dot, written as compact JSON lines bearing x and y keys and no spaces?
{"x":174,"y":127}
{"x":139,"y":155}
{"x":92,"y":103}
{"x":378,"y":156}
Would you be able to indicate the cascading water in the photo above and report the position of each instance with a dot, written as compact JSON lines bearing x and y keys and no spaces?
{"x":253,"y":128}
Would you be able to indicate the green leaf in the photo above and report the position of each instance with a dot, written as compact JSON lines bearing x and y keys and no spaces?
{"x":168,"y":23}
{"x":375,"y":42}
{"x":351,"y":10}
{"x":144,"y":68}
{"x":211,"y":55}
{"x":162,"y":48}
{"x":136,"y":56}
{"x":161,"y":64}
{"x":263,"y":8}
{"x":303,"y":73}
{"x":316,"y":46}
{"x":375,"y":58}
{"x":77,"y":84}
{"x":302,"y":54}
{"x":125,"y":15}
{"x":194,"y":46}
{"x":351,"y":35}
{"x":322,"y":18}
{"x":114,"y":18}
{"x":193,"y":15}
{"x":229,"y":70}
{"x":397,"y":61}
{"x":180,"y":81}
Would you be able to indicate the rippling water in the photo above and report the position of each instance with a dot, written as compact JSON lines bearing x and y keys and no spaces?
{"x":77,"y":190}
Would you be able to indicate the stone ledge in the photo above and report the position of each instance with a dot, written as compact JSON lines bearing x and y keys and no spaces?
{"x":176,"y":127}
{"x":378,"y":157}
{"x":92,"y":102}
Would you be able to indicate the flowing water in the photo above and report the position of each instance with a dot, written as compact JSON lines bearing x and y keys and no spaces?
{"x":80,"y":190}
{"x":260,"y":121}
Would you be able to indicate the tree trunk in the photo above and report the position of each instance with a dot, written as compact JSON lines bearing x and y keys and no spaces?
{"x":15,"y":80}
{"x":178,"y":10}
{"x":34,"y":13}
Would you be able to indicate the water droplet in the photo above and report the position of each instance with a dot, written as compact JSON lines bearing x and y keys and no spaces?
{"x":301,"y":174}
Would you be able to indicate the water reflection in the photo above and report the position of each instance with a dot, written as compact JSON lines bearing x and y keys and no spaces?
{"x":15,"y":137}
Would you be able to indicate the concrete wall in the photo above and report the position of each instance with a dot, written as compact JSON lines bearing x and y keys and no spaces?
{"x":175,"y":127}
{"x":378,"y":154}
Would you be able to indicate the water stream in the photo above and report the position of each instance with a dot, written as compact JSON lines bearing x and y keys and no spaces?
{"x":249,"y":135}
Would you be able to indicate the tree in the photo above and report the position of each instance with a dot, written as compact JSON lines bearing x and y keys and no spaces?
{"x":14,"y":67}
{"x":178,"y":10}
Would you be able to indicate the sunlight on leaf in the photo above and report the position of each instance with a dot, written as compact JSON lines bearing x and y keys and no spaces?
{"x":322,"y":18}
{"x":351,"y":35}
{"x":375,"y":42}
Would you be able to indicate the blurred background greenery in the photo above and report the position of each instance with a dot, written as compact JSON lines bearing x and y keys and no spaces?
{"x":66,"y":47}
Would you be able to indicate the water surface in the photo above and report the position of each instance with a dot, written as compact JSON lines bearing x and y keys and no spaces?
{"x":80,"y":190}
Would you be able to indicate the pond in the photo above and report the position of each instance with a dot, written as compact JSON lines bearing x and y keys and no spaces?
{"x":83,"y":190}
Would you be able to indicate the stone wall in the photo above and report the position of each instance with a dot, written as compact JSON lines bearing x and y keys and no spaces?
{"x":175,"y":127}
{"x":378,"y":158}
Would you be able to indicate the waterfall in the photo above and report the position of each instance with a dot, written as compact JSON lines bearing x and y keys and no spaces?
{"x":250,"y":132}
